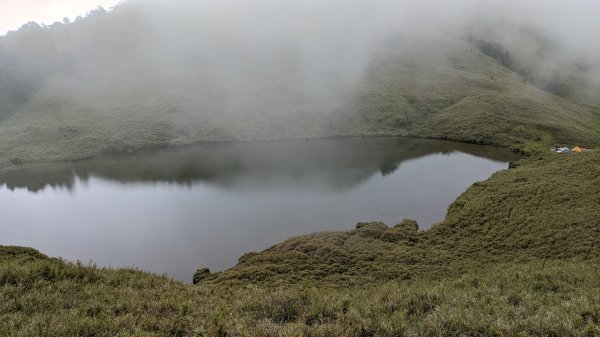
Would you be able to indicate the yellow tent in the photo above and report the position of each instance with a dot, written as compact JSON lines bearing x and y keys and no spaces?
{"x":577,"y":149}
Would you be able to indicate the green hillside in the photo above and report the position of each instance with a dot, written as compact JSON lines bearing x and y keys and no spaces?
{"x":462,"y":94}
{"x":517,"y":255}
{"x":107,"y":84}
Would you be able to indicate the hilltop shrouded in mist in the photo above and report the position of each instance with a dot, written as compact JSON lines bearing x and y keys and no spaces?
{"x":155,"y":73}
{"x":45,"y":12}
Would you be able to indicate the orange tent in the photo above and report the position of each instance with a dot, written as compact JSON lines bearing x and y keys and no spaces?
{"x":577,"y":149}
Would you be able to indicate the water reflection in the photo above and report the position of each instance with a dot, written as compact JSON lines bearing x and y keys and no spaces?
{"x":173,"y":211}
{"x":313,"y":164}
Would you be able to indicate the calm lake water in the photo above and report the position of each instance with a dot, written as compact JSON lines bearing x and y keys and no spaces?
{"x":173,"y":211}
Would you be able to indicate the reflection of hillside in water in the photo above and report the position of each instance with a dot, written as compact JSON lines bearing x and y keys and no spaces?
{"x":315,"y":164}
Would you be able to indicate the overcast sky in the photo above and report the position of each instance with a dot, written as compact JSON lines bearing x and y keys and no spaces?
{"x":14,"y":13}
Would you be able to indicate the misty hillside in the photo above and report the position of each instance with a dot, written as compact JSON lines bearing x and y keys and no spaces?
{"x":150,"y":74}
{"x":517,"y":254}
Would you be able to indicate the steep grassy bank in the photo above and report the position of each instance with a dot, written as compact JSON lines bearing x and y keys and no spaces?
{"x":548,"y":207}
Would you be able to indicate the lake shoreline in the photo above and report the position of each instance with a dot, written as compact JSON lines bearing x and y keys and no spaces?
{"x":317,"y":185}
{"x":464,"y":267}
{"x":518,"y":241}
{"x":6,"y":163}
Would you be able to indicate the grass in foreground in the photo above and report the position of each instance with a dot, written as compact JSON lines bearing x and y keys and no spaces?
{"x":49,"y":297}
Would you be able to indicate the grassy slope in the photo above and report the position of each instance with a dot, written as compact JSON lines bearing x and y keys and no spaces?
{"x":48,"y":297}
{"x":439,"y":86}
{"x":546,"y":208}
{"x":457,"y":92}
{"x":517,"y":255}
